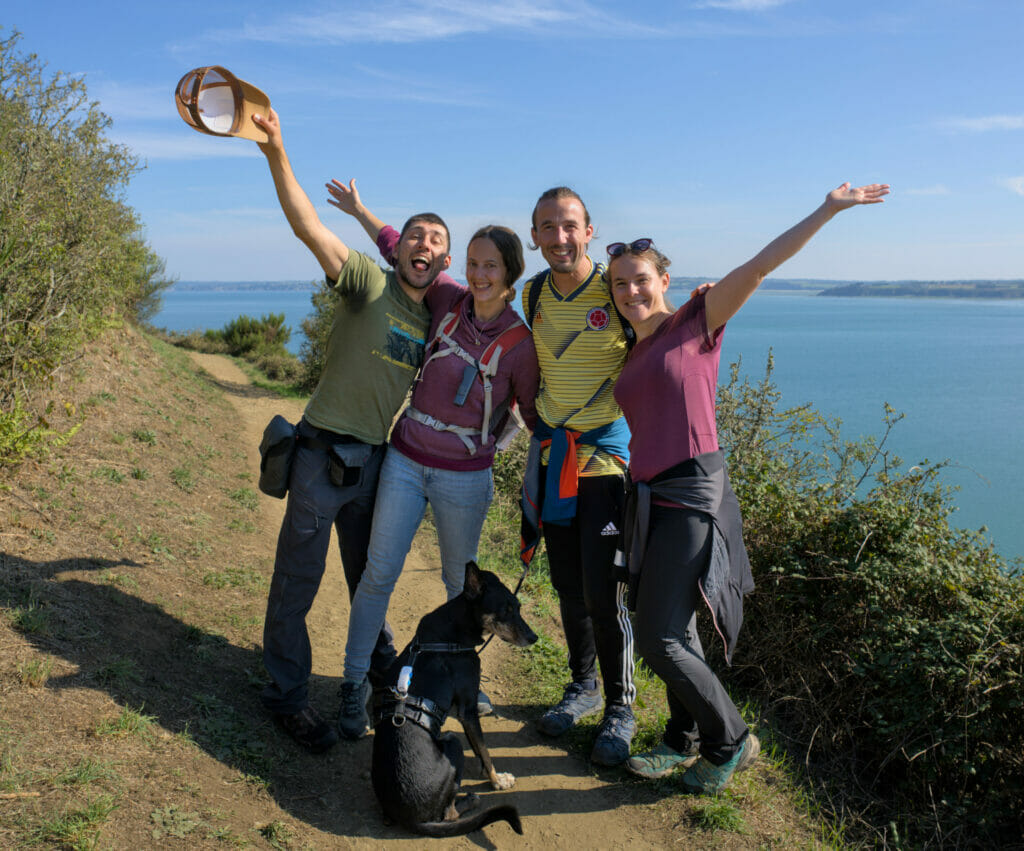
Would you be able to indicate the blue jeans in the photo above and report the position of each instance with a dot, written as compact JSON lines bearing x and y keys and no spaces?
{"x":459,"y":500}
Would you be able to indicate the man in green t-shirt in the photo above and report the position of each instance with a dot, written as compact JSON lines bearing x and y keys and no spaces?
{"x":375,"y":348}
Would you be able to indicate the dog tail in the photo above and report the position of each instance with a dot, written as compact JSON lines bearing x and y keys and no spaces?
{"x":469,"y":823}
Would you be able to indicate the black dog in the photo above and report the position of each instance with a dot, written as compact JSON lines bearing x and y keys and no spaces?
{"x":417,"y":769}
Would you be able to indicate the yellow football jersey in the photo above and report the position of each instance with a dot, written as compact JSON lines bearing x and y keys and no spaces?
{"x":581,"y":349}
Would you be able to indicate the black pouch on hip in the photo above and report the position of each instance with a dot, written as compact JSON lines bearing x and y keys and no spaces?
{"x":276,"y":452}
{"x":346,"y":462}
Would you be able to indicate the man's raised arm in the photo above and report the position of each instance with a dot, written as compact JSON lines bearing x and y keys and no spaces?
{"x":327,"y":247}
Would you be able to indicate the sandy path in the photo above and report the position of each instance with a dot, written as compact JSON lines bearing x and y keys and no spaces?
{"x":563,"y":802}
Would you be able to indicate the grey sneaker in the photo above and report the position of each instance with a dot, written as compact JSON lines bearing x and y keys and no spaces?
{"x":308,"y":729}
{"x":577,"y":702}
{"x":659,"y":762}
{"x":614,"y":736}
{"x":353,"y":722}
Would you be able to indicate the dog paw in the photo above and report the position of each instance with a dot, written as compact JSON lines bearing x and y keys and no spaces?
{"x":503,"y":780}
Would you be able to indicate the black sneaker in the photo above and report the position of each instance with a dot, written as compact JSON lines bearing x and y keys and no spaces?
{"x":353,"y":722}
{"x":577,"y":702}
{"x":308,"y":729}
{"x":614,"y":736}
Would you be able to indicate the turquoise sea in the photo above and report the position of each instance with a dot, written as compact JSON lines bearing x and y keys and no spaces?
{"x":954,"y":366}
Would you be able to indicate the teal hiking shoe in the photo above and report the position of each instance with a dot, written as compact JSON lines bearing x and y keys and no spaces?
{"x":706,"y":778}
{"x":751,"y":749}
{"x":660,"y":762}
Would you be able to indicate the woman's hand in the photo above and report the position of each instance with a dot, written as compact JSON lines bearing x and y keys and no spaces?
{"x":345,"y":198}
{"x":844,"y":196}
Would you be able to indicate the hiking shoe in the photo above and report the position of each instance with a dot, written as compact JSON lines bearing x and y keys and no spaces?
{"x":614,"y":736}
{"x":750,"y":751}
{"x":308,"y":729}
{"x":577,"y":702}
{"x":483,"y":704}
{"x":660,"y":762}
{"x":353,"y":722}
{"x":706,"y":778}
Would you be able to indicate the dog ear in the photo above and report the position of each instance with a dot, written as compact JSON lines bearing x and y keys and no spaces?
{"x":472,"y":585}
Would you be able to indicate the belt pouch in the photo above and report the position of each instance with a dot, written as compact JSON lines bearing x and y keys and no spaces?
{"x":276,"y":452}
{"x":346,"y":463}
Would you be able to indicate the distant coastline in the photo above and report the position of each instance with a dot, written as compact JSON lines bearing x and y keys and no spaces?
{"x":931,"y":289}
{"x":980,"y":289}
{"x":243,"y":286}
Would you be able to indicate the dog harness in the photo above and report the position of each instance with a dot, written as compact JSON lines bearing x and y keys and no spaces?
{"x":400,"y":706}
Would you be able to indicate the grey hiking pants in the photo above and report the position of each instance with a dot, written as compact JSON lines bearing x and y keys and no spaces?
{"x":314,"y":505}
{"x":701,"y":711}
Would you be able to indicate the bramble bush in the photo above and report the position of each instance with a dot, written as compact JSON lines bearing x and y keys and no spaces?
{"x":886,"y":643}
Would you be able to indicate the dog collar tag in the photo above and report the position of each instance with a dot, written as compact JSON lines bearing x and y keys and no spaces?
{"x":404,"y":677}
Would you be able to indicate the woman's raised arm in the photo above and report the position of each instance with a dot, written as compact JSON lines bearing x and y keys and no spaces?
{"x":728,"y":295}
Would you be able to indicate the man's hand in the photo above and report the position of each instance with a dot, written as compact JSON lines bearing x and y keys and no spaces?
{"x":271,"y":125}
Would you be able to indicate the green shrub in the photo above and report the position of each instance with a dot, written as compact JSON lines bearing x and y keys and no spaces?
{"x":71,"y":256}
{"x":260,"y":341}
{"x":249,"y":338}
{"x":317,"y":329}
{"x":887,"y":643}
{"x":279,"y":366}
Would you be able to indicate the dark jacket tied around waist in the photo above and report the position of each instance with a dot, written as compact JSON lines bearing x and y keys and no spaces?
{"x":700,"y":484}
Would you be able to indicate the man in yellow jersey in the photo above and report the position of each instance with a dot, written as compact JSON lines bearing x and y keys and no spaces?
{"x":581,"y":445}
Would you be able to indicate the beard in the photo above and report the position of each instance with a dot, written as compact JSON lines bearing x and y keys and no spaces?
{"x":415,"y":278}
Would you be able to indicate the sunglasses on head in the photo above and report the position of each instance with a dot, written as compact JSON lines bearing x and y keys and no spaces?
{"x":637,"y":246}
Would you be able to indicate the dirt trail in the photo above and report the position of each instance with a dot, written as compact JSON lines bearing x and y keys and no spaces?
{"x":563,"y":801}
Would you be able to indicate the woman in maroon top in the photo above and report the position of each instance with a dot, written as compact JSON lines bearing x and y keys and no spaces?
{"x":480,"y":357}
{"x":683,"y":532}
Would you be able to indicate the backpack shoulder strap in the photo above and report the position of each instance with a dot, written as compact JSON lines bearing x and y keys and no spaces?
{"x":505,"y":342}
{"x":533,"y":294}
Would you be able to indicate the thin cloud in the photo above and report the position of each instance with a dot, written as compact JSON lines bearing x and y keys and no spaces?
{"x":185,"y":145}
{"x":1015,"y":185}
{"x":122,"y":102}
{"x":431,"y":20}
{"x":740,"y":5}
{"x":985,"y":124}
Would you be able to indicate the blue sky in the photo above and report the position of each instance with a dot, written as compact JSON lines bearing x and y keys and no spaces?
{"x":709,"y":125}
